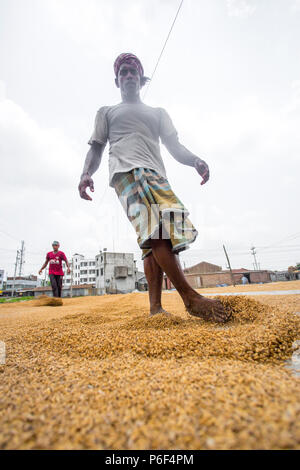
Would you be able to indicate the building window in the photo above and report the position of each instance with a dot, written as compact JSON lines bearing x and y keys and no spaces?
{"x":101,"y":271}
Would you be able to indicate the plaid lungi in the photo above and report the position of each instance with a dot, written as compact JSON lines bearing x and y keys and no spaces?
{"x":154,"y":210}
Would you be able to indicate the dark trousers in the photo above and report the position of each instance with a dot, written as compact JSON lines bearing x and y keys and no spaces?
{"x":56,"y":284}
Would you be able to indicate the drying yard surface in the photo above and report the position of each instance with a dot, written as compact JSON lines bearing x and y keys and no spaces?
{"x":98,"y":373}
{"x":271,"y":286}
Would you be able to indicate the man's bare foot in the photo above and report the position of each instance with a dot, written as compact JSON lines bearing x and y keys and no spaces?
{"x":156,"y":310}
{"x":208,"y":309}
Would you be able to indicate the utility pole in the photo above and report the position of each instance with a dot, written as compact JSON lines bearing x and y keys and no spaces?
{"x":22,"y":257}
{"x":232,"y":277}
{"x":15,"y":273}
{"x":253,"y":252}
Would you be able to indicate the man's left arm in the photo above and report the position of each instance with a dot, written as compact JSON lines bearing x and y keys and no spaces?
{"x":184,"y":156}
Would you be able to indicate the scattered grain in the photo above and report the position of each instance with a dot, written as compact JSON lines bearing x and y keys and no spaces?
{"x":99,"y":373}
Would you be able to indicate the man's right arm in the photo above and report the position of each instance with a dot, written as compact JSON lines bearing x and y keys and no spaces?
{"x":91,"y":165}
{"x":44,"y":265}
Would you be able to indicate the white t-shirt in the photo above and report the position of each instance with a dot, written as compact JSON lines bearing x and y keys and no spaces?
{"x":133,"y":132}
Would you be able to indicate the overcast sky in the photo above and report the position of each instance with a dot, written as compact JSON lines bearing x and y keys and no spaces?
{"x":230,"y":80}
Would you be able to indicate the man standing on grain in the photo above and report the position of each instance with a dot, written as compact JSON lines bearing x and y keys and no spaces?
{"x":138,"y":175}
{"x":56,"y":274}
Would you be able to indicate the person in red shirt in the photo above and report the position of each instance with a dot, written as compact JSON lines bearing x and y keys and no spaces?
{"x":55,"y":259}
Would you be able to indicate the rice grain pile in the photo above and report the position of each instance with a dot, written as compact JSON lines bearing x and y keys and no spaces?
{"x":101,"y":374}
{"x":44,"y":301}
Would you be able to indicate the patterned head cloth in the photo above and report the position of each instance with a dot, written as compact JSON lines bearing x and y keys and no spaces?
{"x":130,"y":59}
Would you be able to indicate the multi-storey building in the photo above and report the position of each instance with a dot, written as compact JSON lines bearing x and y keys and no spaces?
{"x":22,"y":283}
{"x":1,"y":278}
{"x":83,"y":271}
{"x":116,"y":273}
{"x":108,"y":272}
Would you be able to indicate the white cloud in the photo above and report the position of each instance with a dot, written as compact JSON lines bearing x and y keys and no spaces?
{"x":240,"y":8}
{"x":295,"y":6}
{"x":31,"y":155}
{"x":225,"y":89}
{"x":253,"y":152}
{"x":2,"y":91}
{"x":106,"y":28}
{"x":293,"y":105}
{"x":40,"y":170}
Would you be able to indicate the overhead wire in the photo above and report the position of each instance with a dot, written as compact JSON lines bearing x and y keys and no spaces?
{"x":9,"y":235}
{"x":164,"y":46}
{"x":288,"y":238}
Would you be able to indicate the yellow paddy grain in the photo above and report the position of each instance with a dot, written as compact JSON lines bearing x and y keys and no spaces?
{"x":99,"y":373}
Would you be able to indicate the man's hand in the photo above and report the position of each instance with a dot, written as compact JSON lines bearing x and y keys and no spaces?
{"x":203,"y":170}
{"x":40,"y":271}
{"x":69,"y":271}
{"x":85,"y":182}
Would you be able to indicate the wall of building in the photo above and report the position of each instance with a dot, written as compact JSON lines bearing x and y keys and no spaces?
{"x":66,"y":292}
{"x":213,"y":279}
{"x":116,"y":272}
{"x":210,"y":279}
{"x":203,"y":267}
{"x":259,"y":276}
{"x":83,"y":271}
{"x":278,"y":276}
{"x":25,"y":282}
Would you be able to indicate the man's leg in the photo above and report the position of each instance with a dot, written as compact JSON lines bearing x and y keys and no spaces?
{"x":59,"y":285}
{"x":195,"y":303}
{"x":54,"y":285}
{"x":154,"y":276}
